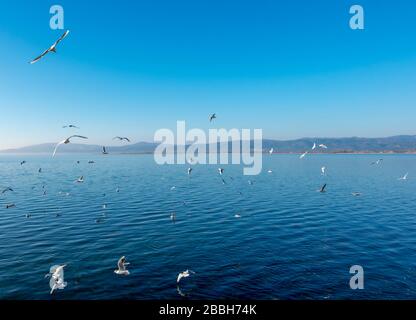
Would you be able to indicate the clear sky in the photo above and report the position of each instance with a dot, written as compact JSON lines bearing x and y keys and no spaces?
{"x":293,"y":68}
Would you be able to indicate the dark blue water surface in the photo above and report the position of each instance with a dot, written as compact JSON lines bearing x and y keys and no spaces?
{"x":291,"y":242}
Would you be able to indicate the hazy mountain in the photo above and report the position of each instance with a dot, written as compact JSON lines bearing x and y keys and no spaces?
{"x":354,"y":144}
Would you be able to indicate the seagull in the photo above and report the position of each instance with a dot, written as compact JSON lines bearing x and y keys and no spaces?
{"x":80,"y":179}
{"x":173,"y":188}
{"x":377,"y":162}
{"x":356,"y":194}
{"x":71,"y":126}
{"x":91,"y":162}
{"x":7,"y":189}
{"x":189,"y":171}
{"x":122,"y":138}
{"x":121,"y":264}
{"x":237,"y":216}
{"x":40,"y":170}
{"x":184,"y":274}
{"x":173,"y":217}
{"x":271,"y":151}
{"x":314,"y":146}
{"x":28,"y":215}
{"x":99,"y":220}
{"x":212,"y":117}
{"x":404,"y":177}
{"x":104,"y":150}
{"x":322,"y":188}
{"x":250,"y":182}
{"x":11,"y":205}
{"x":56,"y":273}
{"x":223,"y":181}
{"x":323,"y":146}
{"x":52,"y":48}
{"x":220,"y":171}
{"x":22,"y":162}
{"x":66,"y":141}
{"x":323,"y":170}
{"x":270,"y":171}
{"x":303,"y":155}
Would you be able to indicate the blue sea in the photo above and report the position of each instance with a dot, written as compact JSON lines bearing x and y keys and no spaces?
{"x":290,"y":241}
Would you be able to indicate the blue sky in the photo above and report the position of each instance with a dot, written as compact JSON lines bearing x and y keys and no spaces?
{"x":292,"y":68}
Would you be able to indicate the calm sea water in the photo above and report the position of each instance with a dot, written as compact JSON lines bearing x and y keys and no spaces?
{"x":291,"y":242}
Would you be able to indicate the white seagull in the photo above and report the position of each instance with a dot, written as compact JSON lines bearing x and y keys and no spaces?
{"x":184,"y":274}
{"x":189,"y":171}
{"x":80,"y":179}
{"x":121,"y":264}
{"x":303,"y":155}
{"x":56,"y":273}
{"x":323,"y":146}
{"x":404,"y":177}
{"x":66,"y":141}
{"x":271,"y":151}
{"x":314,"y":146}
{"x":52,"y":48}
{"x":220,"y":171}
{"x":6,"y":189}
{"x":122,"y":138}
{"x":323,"y":170}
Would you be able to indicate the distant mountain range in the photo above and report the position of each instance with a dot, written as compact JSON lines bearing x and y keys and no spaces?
{"x":395,"y":144}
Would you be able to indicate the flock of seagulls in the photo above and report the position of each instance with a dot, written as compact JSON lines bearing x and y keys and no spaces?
{"x":56,"y":272}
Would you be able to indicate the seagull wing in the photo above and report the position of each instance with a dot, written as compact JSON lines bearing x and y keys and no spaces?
{"x":180,"y":276}
{"x":56,"y":147}
{"x":127,"y":139}
{"x":61,"y":38}
{"x":39,"y":57}
{"x":77,"y":136}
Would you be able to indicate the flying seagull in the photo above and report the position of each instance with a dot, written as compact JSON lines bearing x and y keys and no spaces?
{"x":303,"y":155}
{"x":173,"y":217}
{"x":271,"y":151}
{"x":11,"y":205}
{"x":314,"y":146}
{"x":323,"y":170}
{"x":121,"y":264}
{"x":220,"y":171}
{"x":122,"y":138}
{"x":404,"y":177}
{"x":212,"y":117}
{"x":80,"y":179}
{"x":189,"y":171}
{"x":71,"y":126}
{"x":56,"y":273}
{"x":22,"y":162}
{"x":323,"y":146}
{"x":184,"y":274}
{"x":66,"y":141}
{"x":105,"y":150}
{"x":356,"y":194}
{"x":377,"y":162}
{"x":7,"y":189}
{"x":52,"y":48}
{"x":322,"y":188}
